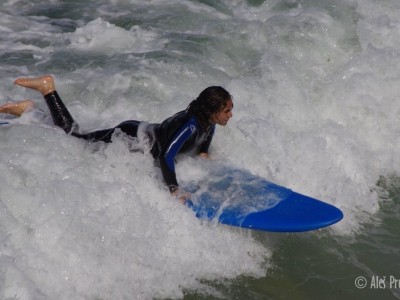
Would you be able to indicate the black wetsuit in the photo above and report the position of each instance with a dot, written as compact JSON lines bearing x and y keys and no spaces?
{"x":180,"y":133}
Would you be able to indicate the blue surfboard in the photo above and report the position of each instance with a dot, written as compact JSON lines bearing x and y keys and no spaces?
{"x":238,"y":198}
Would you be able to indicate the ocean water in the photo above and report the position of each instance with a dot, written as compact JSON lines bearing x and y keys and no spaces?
{"x":315,"y":87}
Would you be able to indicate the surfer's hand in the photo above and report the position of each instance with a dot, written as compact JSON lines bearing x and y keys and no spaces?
{"x":204,"y":155}
{"x":181,"y":195}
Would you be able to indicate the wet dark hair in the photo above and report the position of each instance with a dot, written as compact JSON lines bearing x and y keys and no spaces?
{"x":210,"y":101}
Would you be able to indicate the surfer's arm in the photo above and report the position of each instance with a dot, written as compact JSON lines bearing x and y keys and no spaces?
{"x":169,"y":152}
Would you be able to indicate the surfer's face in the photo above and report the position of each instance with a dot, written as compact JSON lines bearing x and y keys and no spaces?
{"x":222,"y":117}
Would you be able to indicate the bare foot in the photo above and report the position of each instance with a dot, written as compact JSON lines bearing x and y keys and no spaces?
{"x":43,"y":84}
{"x":17,"y":108}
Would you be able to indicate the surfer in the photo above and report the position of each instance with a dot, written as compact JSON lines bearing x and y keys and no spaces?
{"x":190,"y":130}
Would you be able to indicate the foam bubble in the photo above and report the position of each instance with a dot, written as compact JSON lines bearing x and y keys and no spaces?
{"x":101,"y":36}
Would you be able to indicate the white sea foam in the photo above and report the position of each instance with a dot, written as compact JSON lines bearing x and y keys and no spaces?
{"x":89,"y":220}
{"x":101,"y":36}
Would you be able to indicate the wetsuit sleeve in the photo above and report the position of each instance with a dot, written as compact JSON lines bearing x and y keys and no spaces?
{"x":171,"y":149}
{"x":203,"y":148}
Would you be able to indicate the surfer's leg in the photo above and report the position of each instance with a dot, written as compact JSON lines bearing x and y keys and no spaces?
{"x":17,"y":108}
{"x":103,"y":135}
{"x":128,"y":127}
{"x":62,"y":118}
{"x":60,"y":114}
{"x":45,"y":85}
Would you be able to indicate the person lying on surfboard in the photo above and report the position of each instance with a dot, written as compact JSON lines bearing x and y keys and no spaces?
{"x":190,"y":130}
